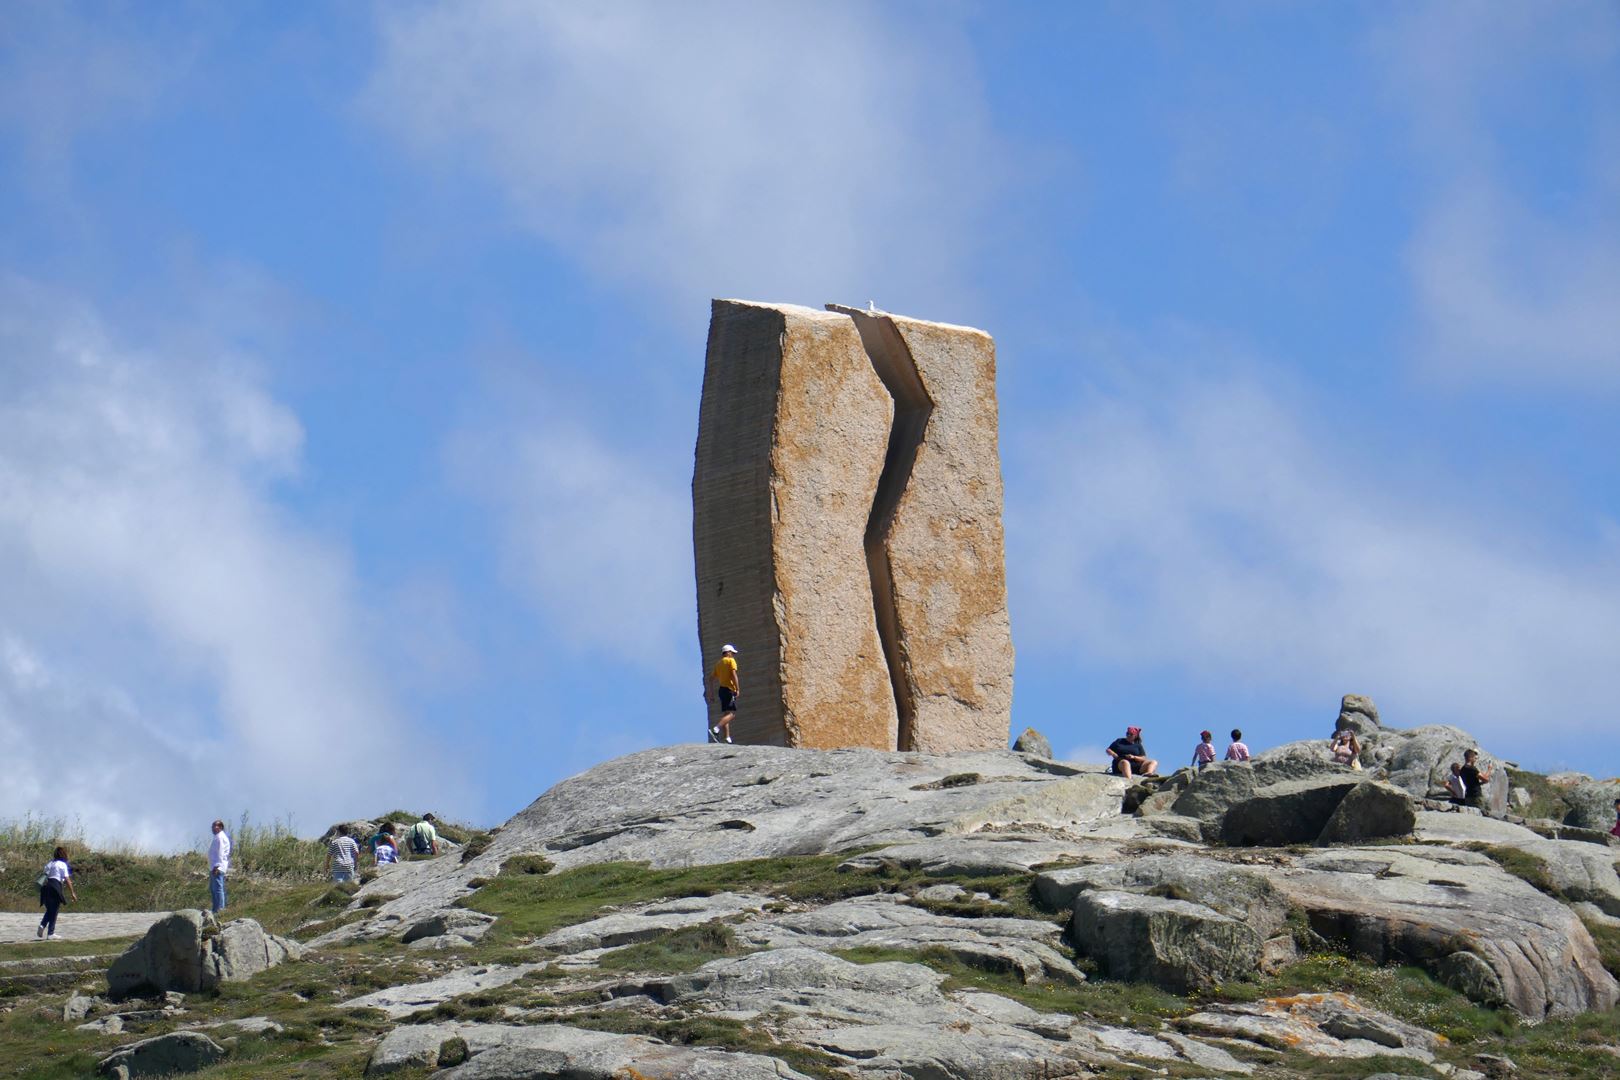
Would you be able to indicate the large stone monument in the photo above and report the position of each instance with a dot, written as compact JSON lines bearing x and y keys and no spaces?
{"x":847,"y":528}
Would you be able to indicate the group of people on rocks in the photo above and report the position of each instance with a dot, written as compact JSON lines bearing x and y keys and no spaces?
{"x":343,"y":851}
{"x":343,"y":856}
{"x":1128,"y":758}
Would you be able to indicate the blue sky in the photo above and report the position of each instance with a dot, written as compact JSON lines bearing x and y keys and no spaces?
{"x":350,"y":356}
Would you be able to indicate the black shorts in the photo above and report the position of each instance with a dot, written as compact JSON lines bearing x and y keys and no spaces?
{"x":728,"y":700}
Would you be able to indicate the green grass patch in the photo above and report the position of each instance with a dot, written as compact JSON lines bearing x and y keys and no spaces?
{"x":1546,"y":800}
{"x":34,"y":950}
{"x":1106,"y":1001}
{"x":265,"y":859}
{"x":1607,"y":940}
{"x":530,"y":905}
{"x":684,"y":949}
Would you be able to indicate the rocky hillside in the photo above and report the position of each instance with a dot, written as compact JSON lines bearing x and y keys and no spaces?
{"x":719,"y":911}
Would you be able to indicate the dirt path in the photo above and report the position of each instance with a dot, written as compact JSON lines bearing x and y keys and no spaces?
{"x":79,"y":926}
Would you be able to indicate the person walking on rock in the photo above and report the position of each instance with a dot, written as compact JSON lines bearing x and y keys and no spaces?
{"x":55,"y":885}
{"x":1474,"y":781}
{"x":1129,"y":757}
{"x":1237,"y":751}
{"x":219,"y":864}
{"x":722,"y":682}
{"x":384,"y":852}
{"x":384,"y":838}
{"x":1204,"y":752}
{"x":342,"y":855}
{"x":423,"y":838}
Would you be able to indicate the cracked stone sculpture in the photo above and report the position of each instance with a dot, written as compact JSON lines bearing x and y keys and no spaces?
{"x":791,"y":440}
{"x":847,"y":528}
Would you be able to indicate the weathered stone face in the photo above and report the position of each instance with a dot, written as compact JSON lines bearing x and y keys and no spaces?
{"x":935,"y":542}
{"x":791,"y":439}
{"x":847,"y":529}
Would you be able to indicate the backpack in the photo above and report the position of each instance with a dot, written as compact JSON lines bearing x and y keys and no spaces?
{"x":419,"y":840}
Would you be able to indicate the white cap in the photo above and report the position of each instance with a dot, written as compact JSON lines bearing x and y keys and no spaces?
{"x":728,"y":648}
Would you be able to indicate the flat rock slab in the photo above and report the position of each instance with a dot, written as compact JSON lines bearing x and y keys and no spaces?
{"x":649,"y":921}
{"x":502,"y":1052}
{"x":1030,"y":948}
{"x":968,"y":856}
{"x":893,"y":1019}
{"x":1582,"y":872}
{"x":402,"y":1001}
{"x":1322,"y":1025}
{"x":80,"y":925}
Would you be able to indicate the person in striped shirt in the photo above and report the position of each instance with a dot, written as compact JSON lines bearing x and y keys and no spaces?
{"x":342,"y":855}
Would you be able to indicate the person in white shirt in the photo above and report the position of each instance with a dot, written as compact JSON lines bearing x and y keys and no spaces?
{"x":219,"y":864}
{"x":57,"y":880}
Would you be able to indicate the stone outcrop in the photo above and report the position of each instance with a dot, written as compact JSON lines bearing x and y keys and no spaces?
{"x":1329,"y":810}
{"x":1322,"y":1025}
{"x":165,"y":1055}
{"x":189,"y":951}
{"x":1177,"y":944}
{"x":960,"y":817}
{"x":1458,"y":914}
{"x":1592,"y":804}
{"x":1290,"y":798}
{"x":1033,"y":742}
{"x":847,"y":528}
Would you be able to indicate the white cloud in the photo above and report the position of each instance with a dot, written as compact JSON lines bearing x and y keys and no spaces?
{"x":138,"y":517}
{"x":1508,"y":293}
{"x":1208,"y":525}
{"x":598,"y":537}
{"x":710,"y":149}
{"x":1511,"y":287}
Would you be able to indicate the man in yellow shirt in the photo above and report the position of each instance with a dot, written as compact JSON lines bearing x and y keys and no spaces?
{"x":723,"y":679}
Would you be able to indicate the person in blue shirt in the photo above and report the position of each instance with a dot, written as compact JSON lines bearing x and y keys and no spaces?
{"x":1129,"y":757}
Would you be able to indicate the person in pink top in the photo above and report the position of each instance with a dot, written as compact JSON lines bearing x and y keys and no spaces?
{"x":1616,"y":830}
{"x":1237,"y":751}
{"x":1204,"y":752}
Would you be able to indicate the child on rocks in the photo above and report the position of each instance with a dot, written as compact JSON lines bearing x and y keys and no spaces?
{"x":1204,"y":752}
{"x":1237,"y":751}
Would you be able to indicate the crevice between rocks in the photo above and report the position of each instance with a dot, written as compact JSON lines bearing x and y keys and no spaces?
{"x":895,"y":366}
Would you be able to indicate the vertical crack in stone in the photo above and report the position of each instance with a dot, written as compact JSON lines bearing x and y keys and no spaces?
{"x":893,"y":362}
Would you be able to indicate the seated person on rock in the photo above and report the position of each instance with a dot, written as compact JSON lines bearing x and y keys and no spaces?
{"x":1345,"y":748}
{"x":1129,"y":757}
{"x":1473,"y":780}
{"x":1238,"y":750}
